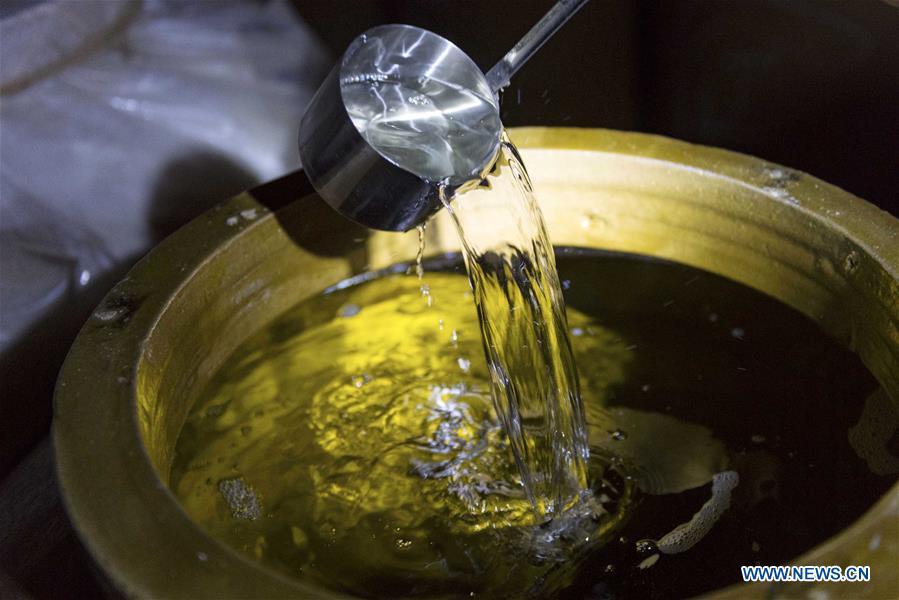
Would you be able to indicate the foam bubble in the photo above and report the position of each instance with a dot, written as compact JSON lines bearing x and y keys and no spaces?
{"x":240,"y":498}
{"x":870,"y":436}
{"x":685,"y":536}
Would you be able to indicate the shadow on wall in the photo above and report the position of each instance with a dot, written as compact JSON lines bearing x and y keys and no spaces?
{"x":191,"y":184}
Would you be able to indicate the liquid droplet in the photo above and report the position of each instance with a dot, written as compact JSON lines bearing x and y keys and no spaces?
{"x":618,"y":435}
{"x":349,"y":310}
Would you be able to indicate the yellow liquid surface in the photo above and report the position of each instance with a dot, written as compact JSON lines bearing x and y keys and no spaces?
{"x":355,"y":443}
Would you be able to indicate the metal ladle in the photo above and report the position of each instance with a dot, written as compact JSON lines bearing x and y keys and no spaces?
{"x":403,"y":111}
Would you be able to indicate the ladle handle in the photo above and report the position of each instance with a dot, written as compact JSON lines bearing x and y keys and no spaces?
{"x":498,"y":77}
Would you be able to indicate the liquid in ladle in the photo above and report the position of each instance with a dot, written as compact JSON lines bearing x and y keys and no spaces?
{"x":434,"y":129}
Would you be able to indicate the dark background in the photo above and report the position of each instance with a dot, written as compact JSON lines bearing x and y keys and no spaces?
{"x":811,"y":84}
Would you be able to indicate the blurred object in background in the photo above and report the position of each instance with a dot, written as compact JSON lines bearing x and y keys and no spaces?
{"x":120,"y":122}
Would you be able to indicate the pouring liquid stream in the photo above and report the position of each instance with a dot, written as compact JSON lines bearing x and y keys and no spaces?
{"x":524,"y":329}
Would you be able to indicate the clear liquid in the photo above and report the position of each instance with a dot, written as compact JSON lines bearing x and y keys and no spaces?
{"x":524,"y":330}
{"x":431,"y":128}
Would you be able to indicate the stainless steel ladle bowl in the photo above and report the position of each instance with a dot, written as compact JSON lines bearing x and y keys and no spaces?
{"x":403,"y":111}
